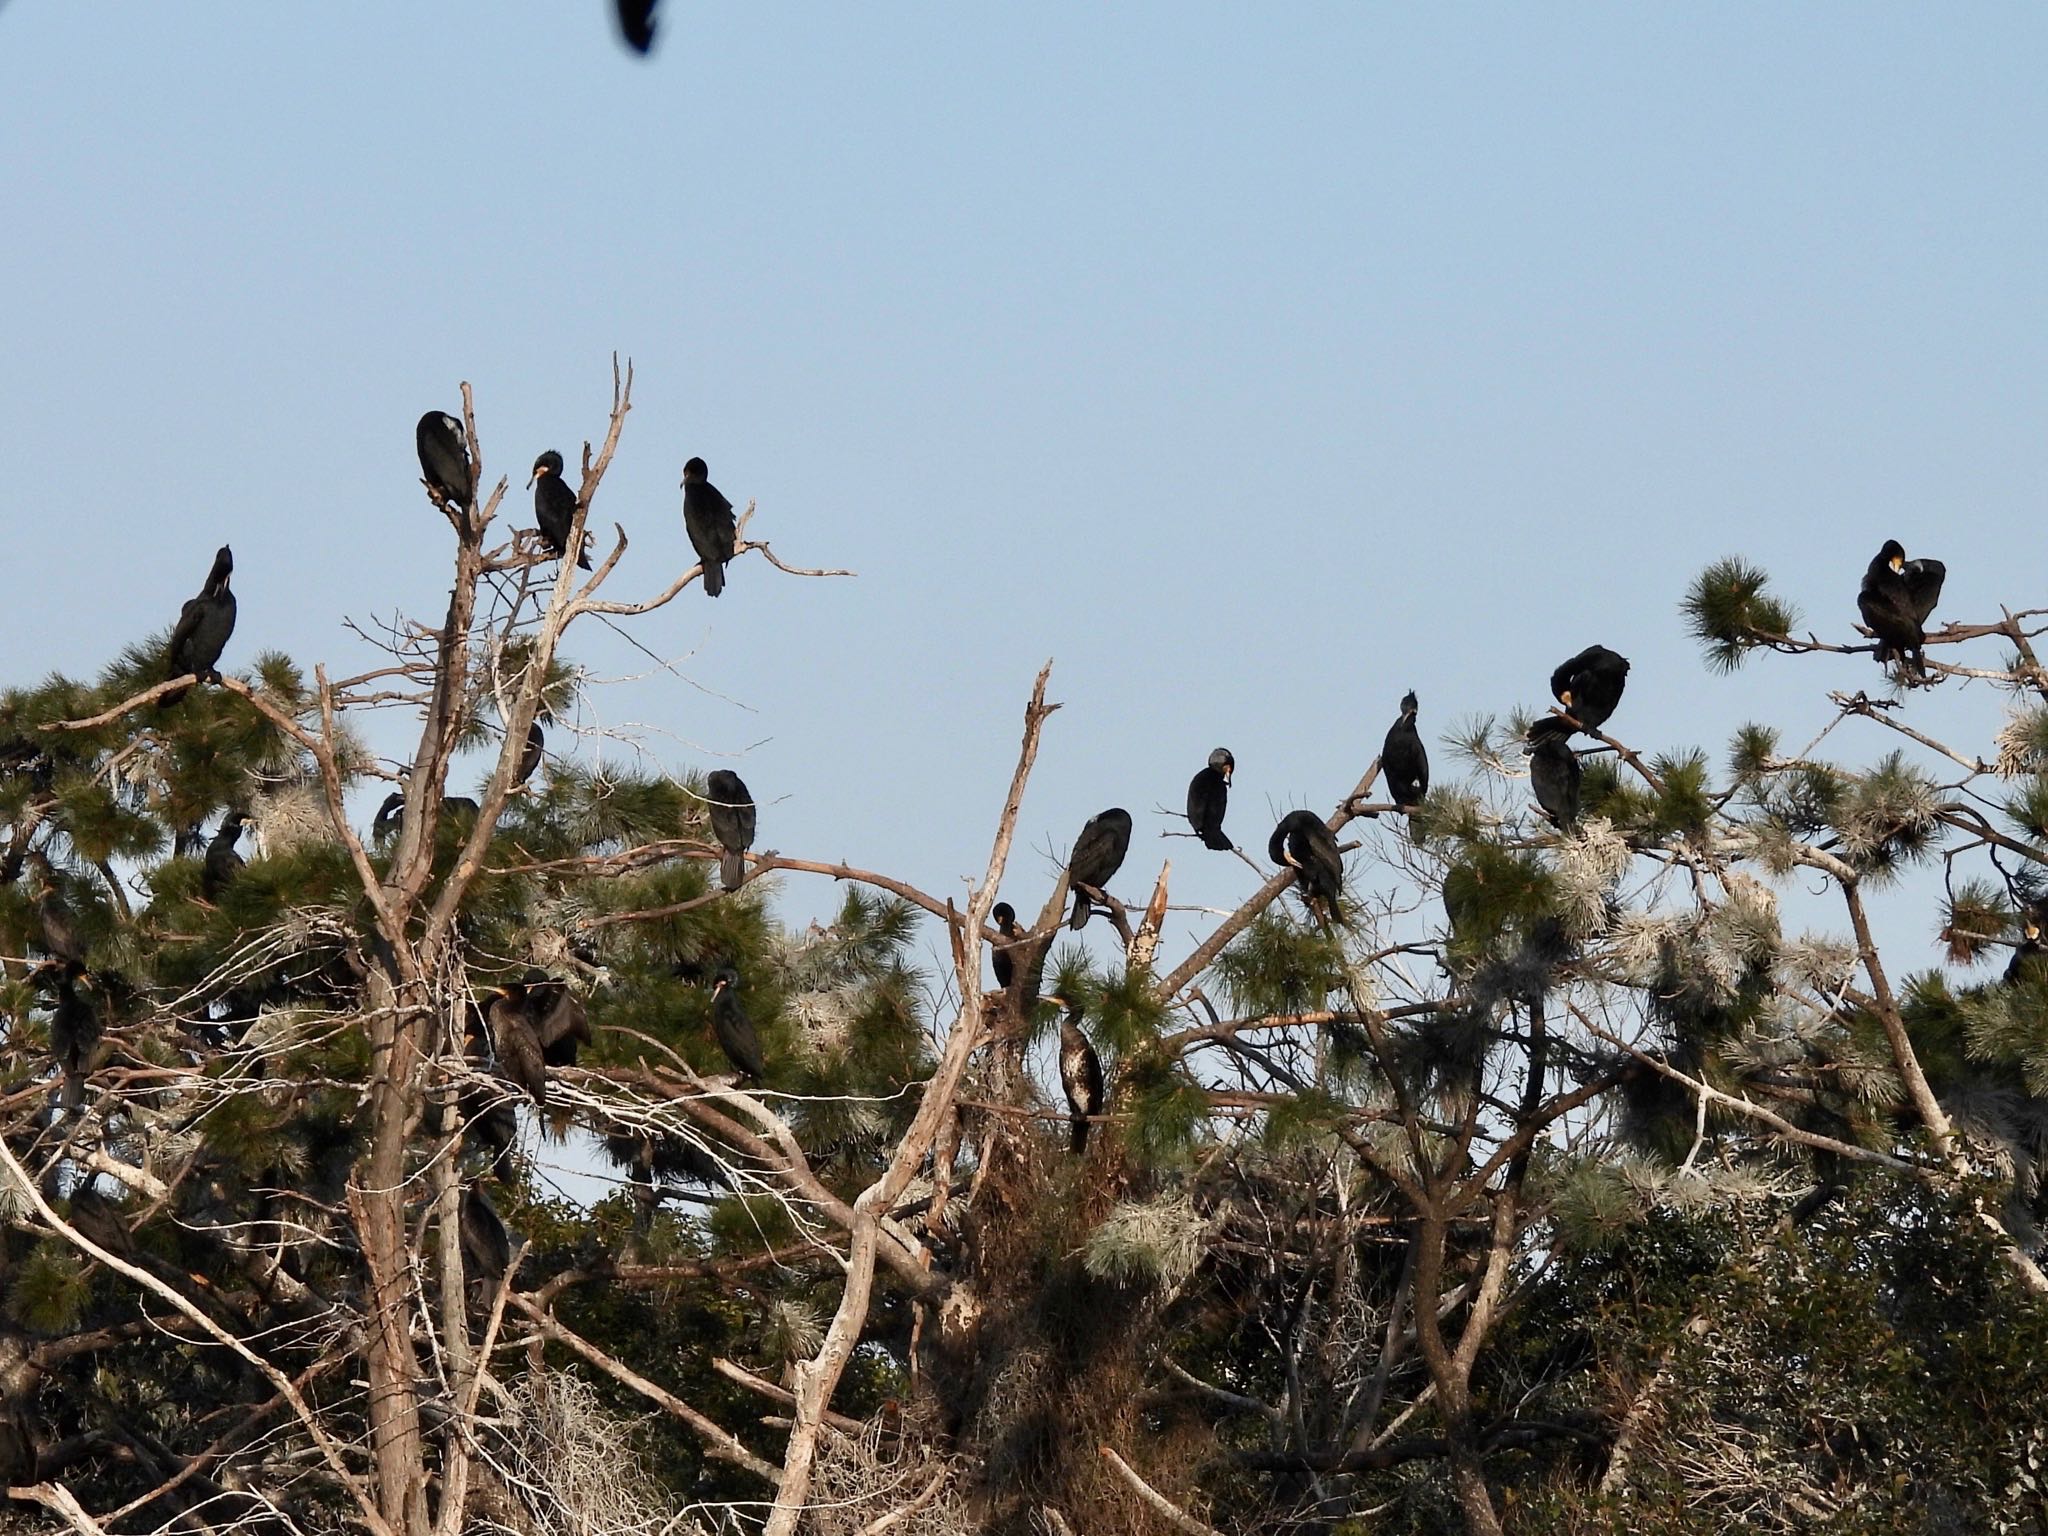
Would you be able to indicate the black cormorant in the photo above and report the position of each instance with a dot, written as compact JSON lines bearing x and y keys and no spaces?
{"x":732,"y":823}
{"x":203,"y":627}
{"x":74,"y":1027}
{"x":636,"y":23}
{"x":1098,"y":854}
{"x":1004,"y":916}
{"x":1404,"y":761}
{"x":515,"y":1036}
{"x":554,"y":506}
{"x":60,"y":936}
{"x":2026,"y":963}
{"x":223,"y":863}
{"x":735,"y":1031}
{"x":559,"y":1019}
{"x":1554,"y":769}
{"x":1896,"y":600}
{"x":708,"y":520}
{"x":530,"y":754}
{"x":1208,"y":795}
{"x":390,"y":817}
{"x":1080,"y":1074}
{"x":1305,"y":844}
{"x":444,"y":458}
{"x":486,"y":1244}
{"x":1590,"y":684}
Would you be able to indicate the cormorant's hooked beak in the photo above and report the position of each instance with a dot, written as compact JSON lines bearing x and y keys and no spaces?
{"x":1899,"y":564}
{"x":2033,"y":932}
{"x":719,"y":986}
{"x":1565,"y":698}
{"x":538,"y":471}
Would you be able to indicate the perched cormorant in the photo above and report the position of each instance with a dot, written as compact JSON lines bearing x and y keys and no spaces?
{"x":1208,"y":794}
{"x":1305,"y":844}
{"x":486,"y":1244}
{"x":554,"y":506}
{"x":1080,"y":1074}
{"x":530,"y":754}
{"x":74,"y":1028}
{"x":2026,"y":963}
{"x":390,"y":817}
{"x":61,"y":940}
{"x":732,"y":823}
{"x":1590,"y":684}
{"x":1554,"y":770}
{"x":1896,"y":600}
{"x":636,"y":23}
{"x":735,"y":1031}
{"x":515,"y":1036}
{"x":1004,"y":916}
{"x":444,"y":458}
{"x":1404,"y":761}
{"x":559,"y":1019}
{"x":1098,"y":854}
{"x":708,"y":520}
{"x":203,"y":627}
{"x":223,"y":863}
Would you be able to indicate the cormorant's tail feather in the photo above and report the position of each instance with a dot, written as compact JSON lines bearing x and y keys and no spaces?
{"x":714,"y":577}
{"x":1077,"y":1138}
{"x":1216,"y":838}
{"x":165,"y":701}
{"x":1081,"y":912}
{"x":732,"y":870}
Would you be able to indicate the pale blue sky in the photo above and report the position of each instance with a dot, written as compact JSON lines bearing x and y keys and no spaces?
{"x":1256,"y":363}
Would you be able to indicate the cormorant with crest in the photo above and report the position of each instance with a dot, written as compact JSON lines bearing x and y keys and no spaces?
{"x":1404,"y":761}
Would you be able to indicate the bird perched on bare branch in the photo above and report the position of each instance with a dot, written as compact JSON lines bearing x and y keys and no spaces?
{"x":1896,"y":600}
{"x":1404,"y":761}
{"x":708,"y":520}
{"x":444,"y":459}
{"x":732,"y":823}
{"x":1208,"y":796}
{"x":1098,"y":854}
{"x":530,"y":754}
{"x":1003,"y":955}
{"x":1304,"y":843}
{"x":554,"y":506}
{"x":1080,"y":1074}
{"x":203,"y":627}
{"x":536,"y":1022}
{"x":1590,"y":685}
{"x":1554,"y":770}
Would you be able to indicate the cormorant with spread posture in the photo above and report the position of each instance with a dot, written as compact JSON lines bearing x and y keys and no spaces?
{"x":732,"y":823}
{"x":636,"y":23}
{"x":1098,"y":854}
{"x":1004,"y":916}
{"x":1305,"y":844}
{"x":554,"y":506}
{"x":1404,"y":761}
{"x":1208,"y":795}
{"x":1080,"y":1074}
{"x":1590,"y":684}
{"x":203,"y":627}
{"x":1554,"y":769}
{"x":708,"y":520}
{"x":735,"y":1031}
{"x":1896,"y":600}
{"x":444,"y":458}
{"x":530,"y":754}
{"x":223,"y":863}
